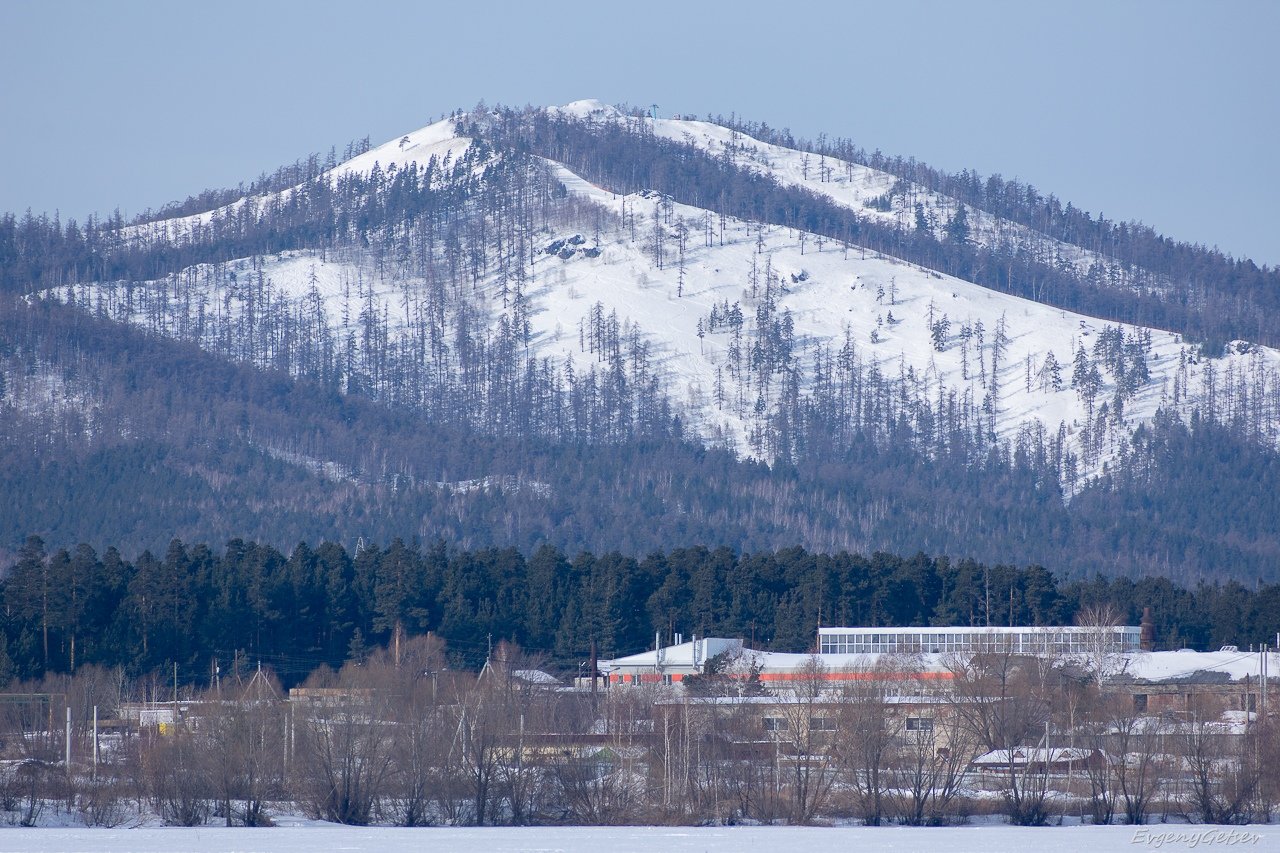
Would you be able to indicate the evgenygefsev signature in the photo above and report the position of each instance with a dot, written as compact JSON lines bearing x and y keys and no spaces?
{"x":1194,"y":838}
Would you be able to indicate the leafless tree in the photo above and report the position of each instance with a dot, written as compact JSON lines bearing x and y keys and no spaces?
{"x":1103,"y":648}
{"x":1141,"y":766}
{"x":344,"y":744}
{"x":1268,"y":750}
{"x":867,"y":731}
{"x":998,"y":694}
{"x":672,"y":752}
{"x":605,"y":779}
{"x":177,"y":774}
{"x":420,"y":782}
{"x":1222,"y":766}
{"x":608,"y":785}
{"x":803,"y":739}
{"x":488,"y":732}
{"x":1094,"y":724}
{"x":530,"y":708}
{"x":933,"y":750}
{"x":245,"y":733}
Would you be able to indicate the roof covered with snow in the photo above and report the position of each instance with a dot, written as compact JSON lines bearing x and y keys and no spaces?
{"x":694,"y":653}
{"x":1032,"y":755}
{"x":534,"y":676}
{"x":1154,"y":667}
{"x":1190,"y":666}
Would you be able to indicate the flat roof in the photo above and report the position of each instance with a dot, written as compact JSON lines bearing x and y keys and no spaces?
{"x":1131,"y":666}
{"x":949,"y":629}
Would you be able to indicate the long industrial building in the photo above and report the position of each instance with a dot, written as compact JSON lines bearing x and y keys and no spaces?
{"x":1028,"y":641}
{"x":921,"y":657}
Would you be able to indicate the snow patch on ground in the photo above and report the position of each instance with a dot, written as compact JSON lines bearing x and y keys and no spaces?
{"x":835,"y":295}
{"x":44,"y":391}
{"x":508,"y":484}
{"x":323,"y":468}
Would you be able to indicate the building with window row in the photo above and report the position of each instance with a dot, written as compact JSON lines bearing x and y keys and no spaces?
{"x":1024,"y":641}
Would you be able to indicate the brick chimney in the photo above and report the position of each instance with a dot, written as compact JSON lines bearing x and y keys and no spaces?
{"x":1147,"y":639}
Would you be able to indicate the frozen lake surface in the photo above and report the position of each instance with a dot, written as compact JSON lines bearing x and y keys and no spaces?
{"x":322,"y":839}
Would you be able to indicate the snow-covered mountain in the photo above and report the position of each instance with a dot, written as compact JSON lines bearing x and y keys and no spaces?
{"x":739,"y":319}
{"x":871,"y":192}
{"x":435,"y":146}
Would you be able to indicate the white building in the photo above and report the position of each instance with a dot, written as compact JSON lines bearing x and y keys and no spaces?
{"x":860,"y":653}
{"x":1026,"y":641}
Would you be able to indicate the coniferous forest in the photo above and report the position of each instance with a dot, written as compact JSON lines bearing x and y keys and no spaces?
{"x":193,"y":606}
{"x":222,"y":409}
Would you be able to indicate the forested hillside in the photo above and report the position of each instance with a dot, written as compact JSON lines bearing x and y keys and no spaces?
{"x":1211,"y":296}
{"x":135,"y":440}
{"x":440,"y":348}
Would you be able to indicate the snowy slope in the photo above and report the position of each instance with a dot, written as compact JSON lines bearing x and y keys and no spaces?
{"x":436,"y":140}
{"x":876,"y":307}
{"x":838,"y":295}
{"x":854,"y":186}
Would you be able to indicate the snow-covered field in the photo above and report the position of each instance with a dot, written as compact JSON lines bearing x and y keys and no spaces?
{"x":311,"y":839}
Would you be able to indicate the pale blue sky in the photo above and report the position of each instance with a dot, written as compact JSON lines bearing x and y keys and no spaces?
{"x":1166,"y":112}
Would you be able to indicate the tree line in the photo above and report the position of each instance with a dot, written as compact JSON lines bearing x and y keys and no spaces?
{"x":195,"y":606}
{"x":1215,"y":292}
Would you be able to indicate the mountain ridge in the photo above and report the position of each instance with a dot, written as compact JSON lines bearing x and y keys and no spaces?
{"x":495,"y":290}
{"x":943,"y":346}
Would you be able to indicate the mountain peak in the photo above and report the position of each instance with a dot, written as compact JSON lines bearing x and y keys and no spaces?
{"x":585,"y":281}
{"x":588,"y":108}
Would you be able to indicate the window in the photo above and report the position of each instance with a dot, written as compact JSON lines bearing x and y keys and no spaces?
{"x":919,"y":724}
{"x":775,"y":724}
{"x":1140,"y":702}
{"x":822,"y":724}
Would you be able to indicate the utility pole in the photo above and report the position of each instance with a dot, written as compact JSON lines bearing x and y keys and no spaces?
{"x":986,"y":582}
{"x":1262,"y":683}
{"x":594,"y":663}
{"x":284,"y":753}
